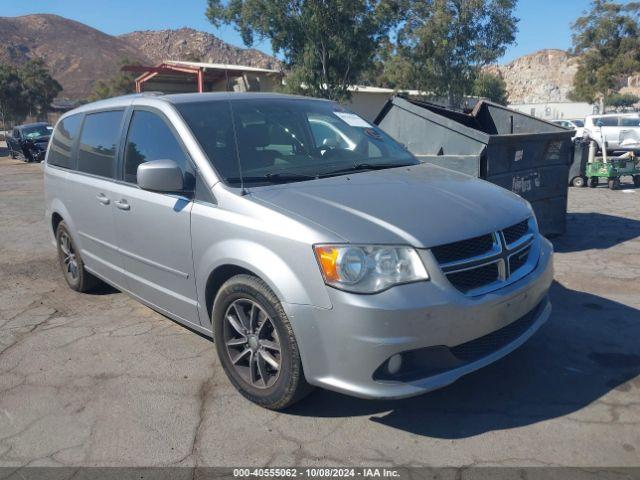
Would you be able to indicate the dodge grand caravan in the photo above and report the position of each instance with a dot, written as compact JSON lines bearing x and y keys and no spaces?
{"x":314,"y":249}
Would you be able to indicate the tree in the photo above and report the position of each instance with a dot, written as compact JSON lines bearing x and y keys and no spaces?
{"x":121,"y":83}
{"x":26,"y":90}
{"x":606,"y":40}
{"x":39,"y":87}
{"x":493,"y":87}
{"x":445,"y":43}
{"x":11,"y":93}
{"x":326,"y":44}
{"x":622,"y":100}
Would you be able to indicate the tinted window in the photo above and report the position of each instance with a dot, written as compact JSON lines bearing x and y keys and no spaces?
{"x":99,"y":142}
{"x":211,"y":124}
{"x":630,"y":122}
{"x":578,"y":123}
{"x":149,"y":139}
{"x":606,"y":121}
{"x":62,"y":141}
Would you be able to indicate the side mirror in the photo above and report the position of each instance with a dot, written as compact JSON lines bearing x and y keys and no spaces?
{"x":160,"y":176}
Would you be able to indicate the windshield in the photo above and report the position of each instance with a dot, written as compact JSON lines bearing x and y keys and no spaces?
{"x":288,"y":140}
{"x":35,"y":132}
{"x":578,"y":123}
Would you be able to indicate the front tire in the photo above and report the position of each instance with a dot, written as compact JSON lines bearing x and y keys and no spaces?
{"x":71,"y":262}
{"x":256,"y":345}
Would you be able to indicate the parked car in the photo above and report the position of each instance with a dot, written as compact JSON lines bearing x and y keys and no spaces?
{"x":621,"y":131}
{"x":360,"y":270}
{"x":572,"y":124}
{"x":29,"y":141}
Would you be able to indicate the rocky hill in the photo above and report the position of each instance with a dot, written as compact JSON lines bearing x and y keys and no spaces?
{"x":544,"y":76}
{"x":78,"y":55}
{"x":190,"y":44}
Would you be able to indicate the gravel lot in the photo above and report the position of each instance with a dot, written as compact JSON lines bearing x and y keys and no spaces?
{"x":98,"y":379}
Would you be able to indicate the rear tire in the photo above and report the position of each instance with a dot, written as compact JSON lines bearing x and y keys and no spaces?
{"x":256,"y":345}
{"x":578,"y":182}
{"x":636,"y":180}
{"x":71,"y":262}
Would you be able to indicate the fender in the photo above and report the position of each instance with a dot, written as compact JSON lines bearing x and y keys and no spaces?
{"x":266,"y":264}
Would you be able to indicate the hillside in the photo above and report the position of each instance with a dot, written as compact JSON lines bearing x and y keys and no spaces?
{"x":78,"y":55}
{"x":190,"y":44}
{"x":544,"y":76}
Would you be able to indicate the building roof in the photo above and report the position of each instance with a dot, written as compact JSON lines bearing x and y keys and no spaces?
{"x":219,"y":66}
{"x":391,"y":91}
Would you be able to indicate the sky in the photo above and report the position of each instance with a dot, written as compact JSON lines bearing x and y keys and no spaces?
{"x":543,"y":23}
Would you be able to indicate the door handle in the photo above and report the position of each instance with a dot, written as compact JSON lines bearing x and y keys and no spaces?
{"x":103,"y":199}
{"x":122,"y":204}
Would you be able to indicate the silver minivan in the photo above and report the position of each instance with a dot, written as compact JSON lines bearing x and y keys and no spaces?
{"x":313,"y":248}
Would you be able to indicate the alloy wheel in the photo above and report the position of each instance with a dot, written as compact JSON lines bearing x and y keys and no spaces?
{"x":252,"y":343}
{"x":69,"y":259}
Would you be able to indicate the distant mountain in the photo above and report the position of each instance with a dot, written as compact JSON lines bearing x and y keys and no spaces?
{"x":190,"y":44}
{"x":78,"y":55}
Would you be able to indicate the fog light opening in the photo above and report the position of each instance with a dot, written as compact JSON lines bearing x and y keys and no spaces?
{"x":394,"y":364}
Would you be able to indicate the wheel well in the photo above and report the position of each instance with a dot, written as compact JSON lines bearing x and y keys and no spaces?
{"x":56,"y":218}
{"x":216,"y":280}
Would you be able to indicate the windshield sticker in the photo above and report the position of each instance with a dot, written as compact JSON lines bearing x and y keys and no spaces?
{"x":352,"y":119}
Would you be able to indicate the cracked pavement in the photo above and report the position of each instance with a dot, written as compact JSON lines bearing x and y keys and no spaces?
{"x":100,"y":380}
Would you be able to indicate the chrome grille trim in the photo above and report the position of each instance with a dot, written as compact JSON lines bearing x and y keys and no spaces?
{"x":500,"y":253}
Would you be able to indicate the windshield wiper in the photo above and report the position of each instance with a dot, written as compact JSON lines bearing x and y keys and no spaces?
{"x":276,"y":177}
{"x":364,"y":166}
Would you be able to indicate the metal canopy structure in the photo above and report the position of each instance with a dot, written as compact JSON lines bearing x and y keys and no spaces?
{"x":198,"y":76}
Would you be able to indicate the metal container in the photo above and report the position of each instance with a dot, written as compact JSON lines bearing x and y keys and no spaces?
{"x":524,"y":154}
{"x":577,"y":169}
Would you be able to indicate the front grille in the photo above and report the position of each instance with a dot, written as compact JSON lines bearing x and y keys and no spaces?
{"x":515,"y":232}
{"x":519,"y":259}
{"x":483,"y":346}
{"x":473,"y":278}
{"x":487,"y":260}
{"x":453,"y":252}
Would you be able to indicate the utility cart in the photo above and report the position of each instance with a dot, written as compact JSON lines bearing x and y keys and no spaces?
{"x":612,"y":168}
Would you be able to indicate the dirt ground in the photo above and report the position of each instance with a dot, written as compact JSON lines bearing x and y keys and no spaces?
{"x":98,"y":379}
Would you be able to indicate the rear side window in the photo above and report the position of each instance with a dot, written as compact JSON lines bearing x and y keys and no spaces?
{"x":62,"y":141}
{"x":630,"y":122}
{"x":150,"y":139}
{"x":99,"y":142}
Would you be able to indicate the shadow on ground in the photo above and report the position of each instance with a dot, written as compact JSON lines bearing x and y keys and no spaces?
{"x":587,"y":348}
{"x":587,"y":231}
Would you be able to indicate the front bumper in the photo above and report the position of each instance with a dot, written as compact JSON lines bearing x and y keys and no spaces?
{"x":342,"y":347}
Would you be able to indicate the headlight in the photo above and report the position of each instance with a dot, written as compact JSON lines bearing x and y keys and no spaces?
{"x":369,"y":268}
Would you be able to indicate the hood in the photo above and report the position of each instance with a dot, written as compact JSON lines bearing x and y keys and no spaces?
{"x":422,"y":205}
{"x":40,"y":142}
